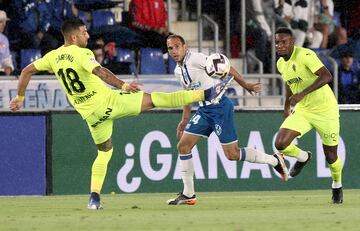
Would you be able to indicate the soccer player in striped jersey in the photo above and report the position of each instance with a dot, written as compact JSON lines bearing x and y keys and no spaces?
{"x":310,"y":103}
{"x":82,"y":78}
{"x":190,"y":70}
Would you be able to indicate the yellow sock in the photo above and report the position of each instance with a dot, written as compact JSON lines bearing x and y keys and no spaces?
{"x":336,"y":169}
{"x":99,"y":169}
{"x":291,"y":150}
{"x":176,"y":99}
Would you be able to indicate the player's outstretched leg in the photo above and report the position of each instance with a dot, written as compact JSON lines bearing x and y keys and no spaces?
{"x":298,"y":166}
{"x":182,"y":98}
{"x":281,"y":166}
{"x":181,"y":199}
{"x":94,"y":201}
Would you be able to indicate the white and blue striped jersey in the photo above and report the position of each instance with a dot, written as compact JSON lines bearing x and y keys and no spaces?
{"x":192,"y":74}
{"x":209,"y":117}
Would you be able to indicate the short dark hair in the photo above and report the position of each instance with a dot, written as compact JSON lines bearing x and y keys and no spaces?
{"x":70,"y":25}
{"x":176,"y":36}
{"x":284,"y":30}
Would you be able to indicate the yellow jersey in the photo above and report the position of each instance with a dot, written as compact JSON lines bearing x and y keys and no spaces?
{"x":73,"y":66}
{"x":298,"y":74}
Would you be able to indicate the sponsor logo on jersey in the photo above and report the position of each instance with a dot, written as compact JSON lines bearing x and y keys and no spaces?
{"x":294,"y":80}
{"x":84,"y":98}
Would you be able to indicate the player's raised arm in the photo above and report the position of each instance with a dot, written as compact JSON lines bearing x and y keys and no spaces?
{"x":108,"y":77}
{"x":25,"y":76}
{"x":250,"y":87}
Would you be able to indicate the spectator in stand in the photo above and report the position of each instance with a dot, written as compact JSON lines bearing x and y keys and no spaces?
{"x":349,"y":80}
{"x":59,"y":12}
{"x":300,"y":16}
{"x":325,"y":23}
{"x":29,"y":22}
{"x":98,"y":51}
{"x":6,"y":64}
{"x":149,"y":19}
{"x":260,"y":14}
{"x":349,"y":14}
{"x":106,"y":55}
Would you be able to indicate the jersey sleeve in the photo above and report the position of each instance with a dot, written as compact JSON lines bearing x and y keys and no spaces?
{"x":43,"y":64}
{"x":311,"y":60}
{"x":87,"y":60}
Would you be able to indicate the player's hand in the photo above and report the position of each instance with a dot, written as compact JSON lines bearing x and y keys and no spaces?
{"x":294,"y":99}
{"x":180,"y":129}
{"x":253,"y":88}
{"x":16,"y":104}
{"x":134,"y":86}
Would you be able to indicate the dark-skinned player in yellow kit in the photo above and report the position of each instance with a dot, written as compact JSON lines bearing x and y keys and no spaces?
{"x":310,"y":103}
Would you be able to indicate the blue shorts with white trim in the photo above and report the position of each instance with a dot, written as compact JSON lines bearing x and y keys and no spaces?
{"x":218,"y":118}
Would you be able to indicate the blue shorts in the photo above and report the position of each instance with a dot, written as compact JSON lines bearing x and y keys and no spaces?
{"x":218,"y":118}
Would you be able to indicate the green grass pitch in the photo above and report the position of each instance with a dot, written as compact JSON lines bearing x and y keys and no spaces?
{"x":238,"y":211}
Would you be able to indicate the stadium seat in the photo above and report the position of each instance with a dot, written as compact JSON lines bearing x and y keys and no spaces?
{"x":84,"y":18}
{"x":152,"y":61}
{"x":102,"y":18}
{"x":27,"y":56}
{"x":172,"y":65}
{"x":126,"y":55}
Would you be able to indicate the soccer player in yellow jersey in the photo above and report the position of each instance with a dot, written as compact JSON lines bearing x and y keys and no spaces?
{"x":82,"y":77}
{"x":310,"y":103}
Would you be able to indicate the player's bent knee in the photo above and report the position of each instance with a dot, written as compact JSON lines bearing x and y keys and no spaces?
{"x":106,"y":146}
{"x":183,"y":148}
{"x":281,"y":144}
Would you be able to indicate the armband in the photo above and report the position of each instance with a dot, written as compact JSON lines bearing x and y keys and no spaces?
{"x":20,"y":97}
{"x":124,"y":86}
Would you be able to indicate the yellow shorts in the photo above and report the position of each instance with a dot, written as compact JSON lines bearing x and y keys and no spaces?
{"x":119,"y":104}
{"x":326,"y":123}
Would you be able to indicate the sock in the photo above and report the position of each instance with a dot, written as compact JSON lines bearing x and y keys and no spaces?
{"x":176,"y":99}
{"x":291,"y":150}
{"x":187,"y":174}
{"x":336,"y":169}
{"x":99,"y":169}
{"x":303,"y":156}
{"x":256,"y":156}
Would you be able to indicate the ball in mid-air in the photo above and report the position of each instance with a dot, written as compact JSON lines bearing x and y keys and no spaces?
{"x":217,"y":66}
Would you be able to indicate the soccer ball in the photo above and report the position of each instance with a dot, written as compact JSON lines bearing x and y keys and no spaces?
{"x":217,"y":66}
